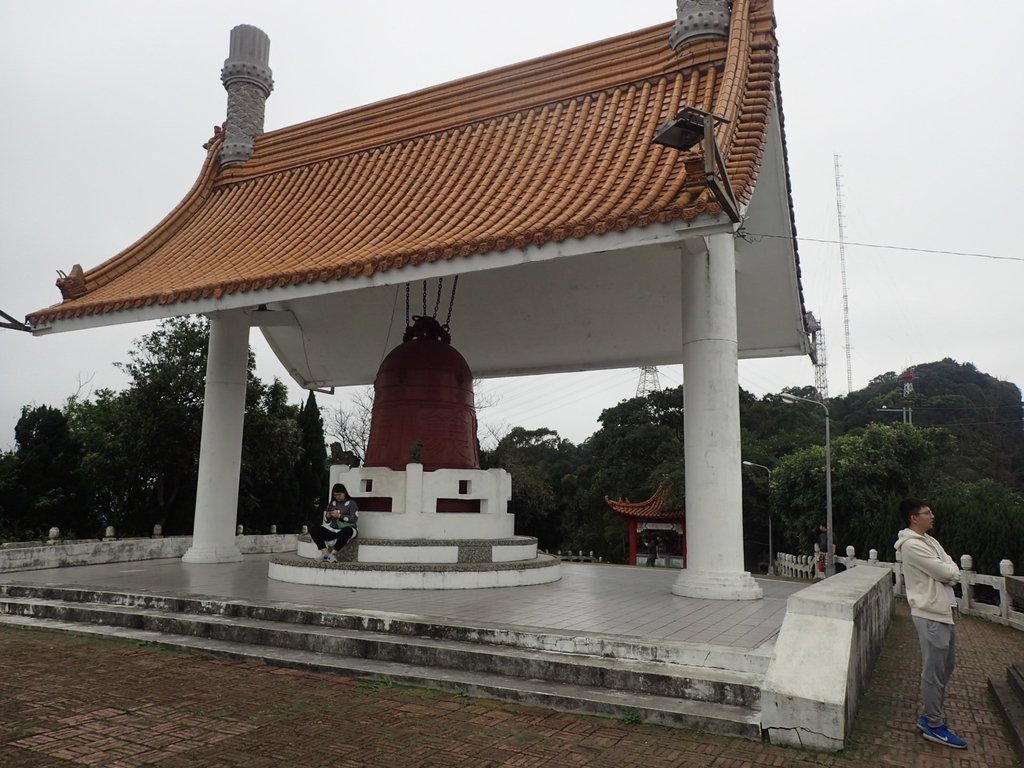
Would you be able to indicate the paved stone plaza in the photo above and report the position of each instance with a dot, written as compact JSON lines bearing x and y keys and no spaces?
{"x":594,"y":599}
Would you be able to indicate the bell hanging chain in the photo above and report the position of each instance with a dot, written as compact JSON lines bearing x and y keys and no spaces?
{"x":437,"y":301}
{"x":451,"y":302}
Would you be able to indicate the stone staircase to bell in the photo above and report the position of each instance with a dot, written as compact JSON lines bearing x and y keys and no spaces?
{"x":687,"y":685}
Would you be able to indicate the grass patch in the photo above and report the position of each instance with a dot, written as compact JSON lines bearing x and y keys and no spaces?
{"x":378,"y":684}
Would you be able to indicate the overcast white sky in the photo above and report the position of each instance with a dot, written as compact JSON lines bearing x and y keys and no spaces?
{"x":105,"y":106}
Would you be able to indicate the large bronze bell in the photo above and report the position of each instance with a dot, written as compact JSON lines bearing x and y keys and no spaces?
{"x":423,"y":408}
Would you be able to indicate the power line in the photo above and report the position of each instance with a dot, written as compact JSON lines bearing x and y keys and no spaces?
{"x":753,"y":236}
{"x":961,"y":407}
{"x":971,"y":423}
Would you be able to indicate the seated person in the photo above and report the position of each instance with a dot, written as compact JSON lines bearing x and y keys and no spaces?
{"x":339,"y":526}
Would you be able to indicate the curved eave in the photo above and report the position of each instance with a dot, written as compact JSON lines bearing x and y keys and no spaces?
{"x":651,"y":509}
{"x":553,"y":149}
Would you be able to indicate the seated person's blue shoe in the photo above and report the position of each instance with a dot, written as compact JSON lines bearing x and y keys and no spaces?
{"x":942,"y":735}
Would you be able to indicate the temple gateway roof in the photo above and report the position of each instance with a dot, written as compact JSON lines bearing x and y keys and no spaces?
{"x":499,"y":178}
{"x":651,"y":509}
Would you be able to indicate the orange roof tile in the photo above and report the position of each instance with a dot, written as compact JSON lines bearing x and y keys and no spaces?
{"x":646,"y":510}
{"x":554,"y":148}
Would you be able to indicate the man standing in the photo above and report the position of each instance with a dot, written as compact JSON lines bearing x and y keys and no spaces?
{"x":652,"y":550}
{"x":930,"y":574}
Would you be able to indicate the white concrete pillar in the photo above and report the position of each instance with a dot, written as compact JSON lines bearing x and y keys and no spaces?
{"x":711,"y":437}
{"x":220,"y":453}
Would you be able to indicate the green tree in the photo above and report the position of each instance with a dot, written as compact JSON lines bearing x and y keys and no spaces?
{"x":311,"y":467}
{"x":982,"y":519}
{"x":142,"y":445}
{"x":638,"y":447}
{"x":871,"y":471}
{"x":983,"y":413}
{"x":771,"y":428}
{"x":12,"y":497}
{"x":271,"y":446}
{"x":163,"y":409}
{"x":112,"y":482}
{"x":541,"y":464}
{"x":47,"y":472}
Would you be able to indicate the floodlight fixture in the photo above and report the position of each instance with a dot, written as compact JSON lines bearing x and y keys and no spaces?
{"x":692,"y":126}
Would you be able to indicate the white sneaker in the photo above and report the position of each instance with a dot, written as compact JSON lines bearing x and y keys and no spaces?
{"x":332,"y":558}
{"x":325,"y":557}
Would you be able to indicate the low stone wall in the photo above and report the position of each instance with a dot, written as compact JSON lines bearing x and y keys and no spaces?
{"x":830,"y":639}
{"x":95,"y":552}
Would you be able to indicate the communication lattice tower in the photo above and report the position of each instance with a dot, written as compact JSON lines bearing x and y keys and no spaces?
{"x":842,"y":268}
{"x":820,"y":356}
{"x":648,"y":381}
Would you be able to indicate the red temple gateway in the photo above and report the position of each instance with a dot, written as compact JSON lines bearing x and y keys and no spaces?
{"x":652,"y":515}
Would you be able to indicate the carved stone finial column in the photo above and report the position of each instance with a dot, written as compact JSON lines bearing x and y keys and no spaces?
{"x":248,"y":81}
{"x":699,"y":20}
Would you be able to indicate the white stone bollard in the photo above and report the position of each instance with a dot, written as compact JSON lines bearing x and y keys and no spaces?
{"x":158,"y":531}
{"x":851,"y":551}
{"x":273,"y":530}
{"x":239,"y":530}
{"x":109,"y":534}
{"x":873,"y":555}
{"x":1005,"y":569}
{"x":900,"y":586}
{"x":305,"y":531}
{"x":54,"y":534}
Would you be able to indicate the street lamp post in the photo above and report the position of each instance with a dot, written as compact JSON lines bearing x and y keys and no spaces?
{"x":771,"y":549}
{"x":830,"y":566}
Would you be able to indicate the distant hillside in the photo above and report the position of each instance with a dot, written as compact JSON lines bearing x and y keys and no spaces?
{"x":982,"y":412}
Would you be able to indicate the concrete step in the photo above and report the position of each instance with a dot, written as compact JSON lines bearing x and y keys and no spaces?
{"x":1015,"y":678}
{"x":651,"y":678}
{"x":563,"y":696}
{"x":1009,"y":695}
{"x":751,"y":664}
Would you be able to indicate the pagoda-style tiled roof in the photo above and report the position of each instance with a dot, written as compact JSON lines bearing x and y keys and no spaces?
{"x":554,"y":148}
{"x":652,"y":509}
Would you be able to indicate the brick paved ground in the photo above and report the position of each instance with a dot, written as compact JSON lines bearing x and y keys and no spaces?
{"x":70,"y":701}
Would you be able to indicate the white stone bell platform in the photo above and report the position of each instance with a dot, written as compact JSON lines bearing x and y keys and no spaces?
{"x":420,"y":564}
{"x":443,"y":529}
